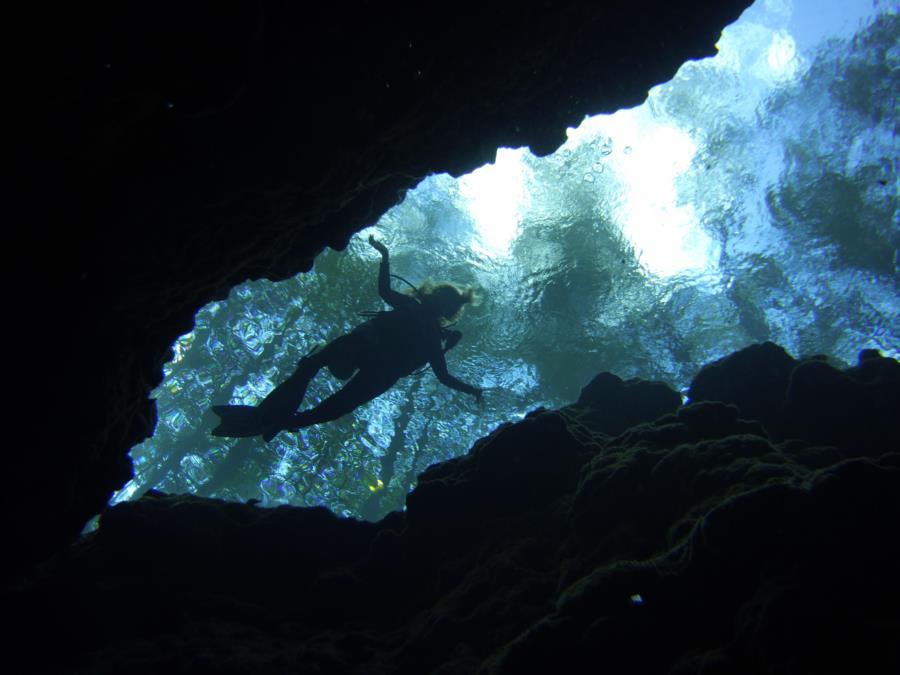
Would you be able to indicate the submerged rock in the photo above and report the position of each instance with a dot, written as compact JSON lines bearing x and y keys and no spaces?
{"x":693,"y":541}
{"x":754,"y":379}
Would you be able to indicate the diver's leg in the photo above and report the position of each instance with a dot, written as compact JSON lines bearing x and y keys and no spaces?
{"x":342,"y":367}
{"x":365,"y":386}
{"x":287,"y":396}
{"x":293,"y":389}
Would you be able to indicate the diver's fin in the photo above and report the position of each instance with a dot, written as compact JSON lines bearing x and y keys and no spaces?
{"x":238,"y":421}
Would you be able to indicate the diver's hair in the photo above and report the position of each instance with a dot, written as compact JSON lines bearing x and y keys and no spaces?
{"x":472,"y":294}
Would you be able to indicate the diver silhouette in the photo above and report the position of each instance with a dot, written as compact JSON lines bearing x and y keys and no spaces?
{"x":390,"y":345}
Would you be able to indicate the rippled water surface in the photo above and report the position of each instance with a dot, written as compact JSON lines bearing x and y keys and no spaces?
{"x":754,"y":197}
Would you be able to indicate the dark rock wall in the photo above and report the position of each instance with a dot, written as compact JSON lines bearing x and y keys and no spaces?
{"x":166,"y":151}
{"x":692,"y":542}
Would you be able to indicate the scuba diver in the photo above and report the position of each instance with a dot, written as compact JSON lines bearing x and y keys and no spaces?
{"x":390,"y":345}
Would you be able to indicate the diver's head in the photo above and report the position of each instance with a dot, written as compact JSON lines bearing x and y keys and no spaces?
{"x":447,"y":300}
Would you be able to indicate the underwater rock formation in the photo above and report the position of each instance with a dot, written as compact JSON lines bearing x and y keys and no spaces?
{"x":166,"y":152}
{"x":695,"y":540}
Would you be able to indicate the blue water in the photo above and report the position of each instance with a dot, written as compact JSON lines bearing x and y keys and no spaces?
{"x":754,"y":197}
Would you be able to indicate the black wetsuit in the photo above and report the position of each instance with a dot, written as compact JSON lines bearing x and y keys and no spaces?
{"x":385,"y":348}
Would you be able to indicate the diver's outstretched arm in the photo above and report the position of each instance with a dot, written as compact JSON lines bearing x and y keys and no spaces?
{"x":388,"y":294}
{"x":439,"y":366}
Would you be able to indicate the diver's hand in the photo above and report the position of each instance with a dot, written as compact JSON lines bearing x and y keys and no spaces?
{"x":377,"y":245}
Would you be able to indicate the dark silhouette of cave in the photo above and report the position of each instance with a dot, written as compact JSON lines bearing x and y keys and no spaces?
{"x":165,"y":152}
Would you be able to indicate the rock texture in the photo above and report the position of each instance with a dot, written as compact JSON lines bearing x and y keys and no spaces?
{"x":693,"y":541}
{"x":166,"y":151}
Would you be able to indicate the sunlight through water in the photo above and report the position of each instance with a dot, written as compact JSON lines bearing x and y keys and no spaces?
{"x":652,"y":155}
{"x":754,"y":197}
{"x":495,"y":196}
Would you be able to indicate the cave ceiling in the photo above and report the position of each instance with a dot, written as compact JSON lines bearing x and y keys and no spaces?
{"x":168,"y":151}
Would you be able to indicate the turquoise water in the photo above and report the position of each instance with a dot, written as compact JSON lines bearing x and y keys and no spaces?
{"x":754,"y":197}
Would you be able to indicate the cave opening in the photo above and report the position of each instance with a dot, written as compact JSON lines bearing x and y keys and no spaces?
{"x":751,"y":198}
